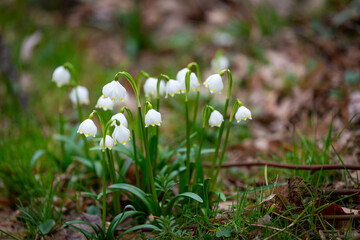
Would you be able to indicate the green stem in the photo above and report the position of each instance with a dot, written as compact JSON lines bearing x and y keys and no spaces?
{"x":136,"y":159}
{"x":133,"y":143}
{"x":236,"y":105}
{"x":142,"y":128}
{"x":104,"y":192}
{"x":218,"y":142}
{"x":116,"y":197}
{"x":198,"y":73}
{"x":61,"y":128}
{"x":188,"y":144}
{"x":104,"y":129}
{"x":147,"y":158}
{"x":199,"y":174}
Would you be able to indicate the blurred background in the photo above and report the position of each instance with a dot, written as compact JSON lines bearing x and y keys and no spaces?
{"x":295,"y":64}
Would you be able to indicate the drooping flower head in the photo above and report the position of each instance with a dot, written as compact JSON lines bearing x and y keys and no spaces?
{"x":82,"y":94}
{"x":242,"y":114}
{"x":214,"y":83}
{"x":173,"y":87}
{"x":115,"y":91}
{"x":152,"y":118}
{"x":61,"y":76}
{"x":104,"y":103}
{"x":121,"y":118}
{"x":150,"y":86}
{"x":194,"y":82}
{"x":109,"y":143}
{"x":88,"y":128}
{"x":220,"y":63}
{"x":121,"y":134}
{"x":216,"y":118}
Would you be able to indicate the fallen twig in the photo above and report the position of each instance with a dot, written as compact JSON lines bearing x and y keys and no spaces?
{"x":288,"y":166}
{"x":341,"y":217}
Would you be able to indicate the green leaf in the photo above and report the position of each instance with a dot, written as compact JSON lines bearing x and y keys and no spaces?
{"x":177,"y":197}
{"x":136,"y":192}
{"x":36,"y":156}
{"x":94,"y":210}
{"x":46,"y":226}
{"x":142,"y":226}
{"x":220,"y":194}
{"x":224,"y":232}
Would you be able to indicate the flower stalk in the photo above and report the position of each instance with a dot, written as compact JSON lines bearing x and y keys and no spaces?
{"x":236,"y":105}
{"x":128,"y":111}
{"x":218,"y":142}
{"x":188,"y":123}
{"x":199,"y":173}
{"x":143,"y":132}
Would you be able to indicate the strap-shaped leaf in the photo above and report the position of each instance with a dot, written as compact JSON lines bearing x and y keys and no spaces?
{"x":178,"y":197}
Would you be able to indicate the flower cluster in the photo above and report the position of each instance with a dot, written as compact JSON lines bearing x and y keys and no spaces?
{"x":114,"y":92}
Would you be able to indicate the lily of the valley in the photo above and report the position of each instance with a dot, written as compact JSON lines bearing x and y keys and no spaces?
{"x":214,"y":83}
{"x":61,"y":76}
{"x":152,"y":118}
{"x":150,"y":86}
{"x":121,"y":134}
{"x":242,"y":114}
{"x":88,"y":128}
{"x":115,"y":91}
{"x":109,"y":143}
{"x":173,"y":87}
{"x":216,"y":118}
{"x":121,"y":118}
{"x":82,"y":94}
{"x":194,"y":82}
{"x":104,"y":103}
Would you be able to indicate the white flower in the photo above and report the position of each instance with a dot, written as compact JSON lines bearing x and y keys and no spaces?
{"x":216,"y":118}
{"x":88,"y":128}
{"x":115,"y":91}
{"x":220,"y":63}
{"x":109,"y":143}
{"x":242,"y":114}
{"x":121,"y":118}
{"x":172,"y":87}
{"x":152,"y":118}
{"x":121,"y":134}
{"x":61,"y":76}
{"x":214,"y":83}
{"x":150,"y":86}
{"x":194,"y":82}
{"x":83,"y":95}
{"x":104,"y":103}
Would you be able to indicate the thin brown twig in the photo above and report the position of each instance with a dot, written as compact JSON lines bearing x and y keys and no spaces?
{"x":288,"y":166}
{"x":341,"y":217}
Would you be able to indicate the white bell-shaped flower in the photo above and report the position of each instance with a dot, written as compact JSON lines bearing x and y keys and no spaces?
{"x":216,"y":118}
{"x":88,"y":128}
{"x":82,"y":94}
{"x":194,"y":81}
{"x":150,"y":87}
{"x":242,"y":114}
{"x":115,"y":91}
{"x":109,"y":143}
{"x":172,"y":87}
{"x":61,"y":76}
{"x":104,"y":103}
{"x":121,"y":134}
{"x":220,"y":63}
{"x":121,"y":118}
{"x":152,"y":118}
{"x":214,"y":83}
